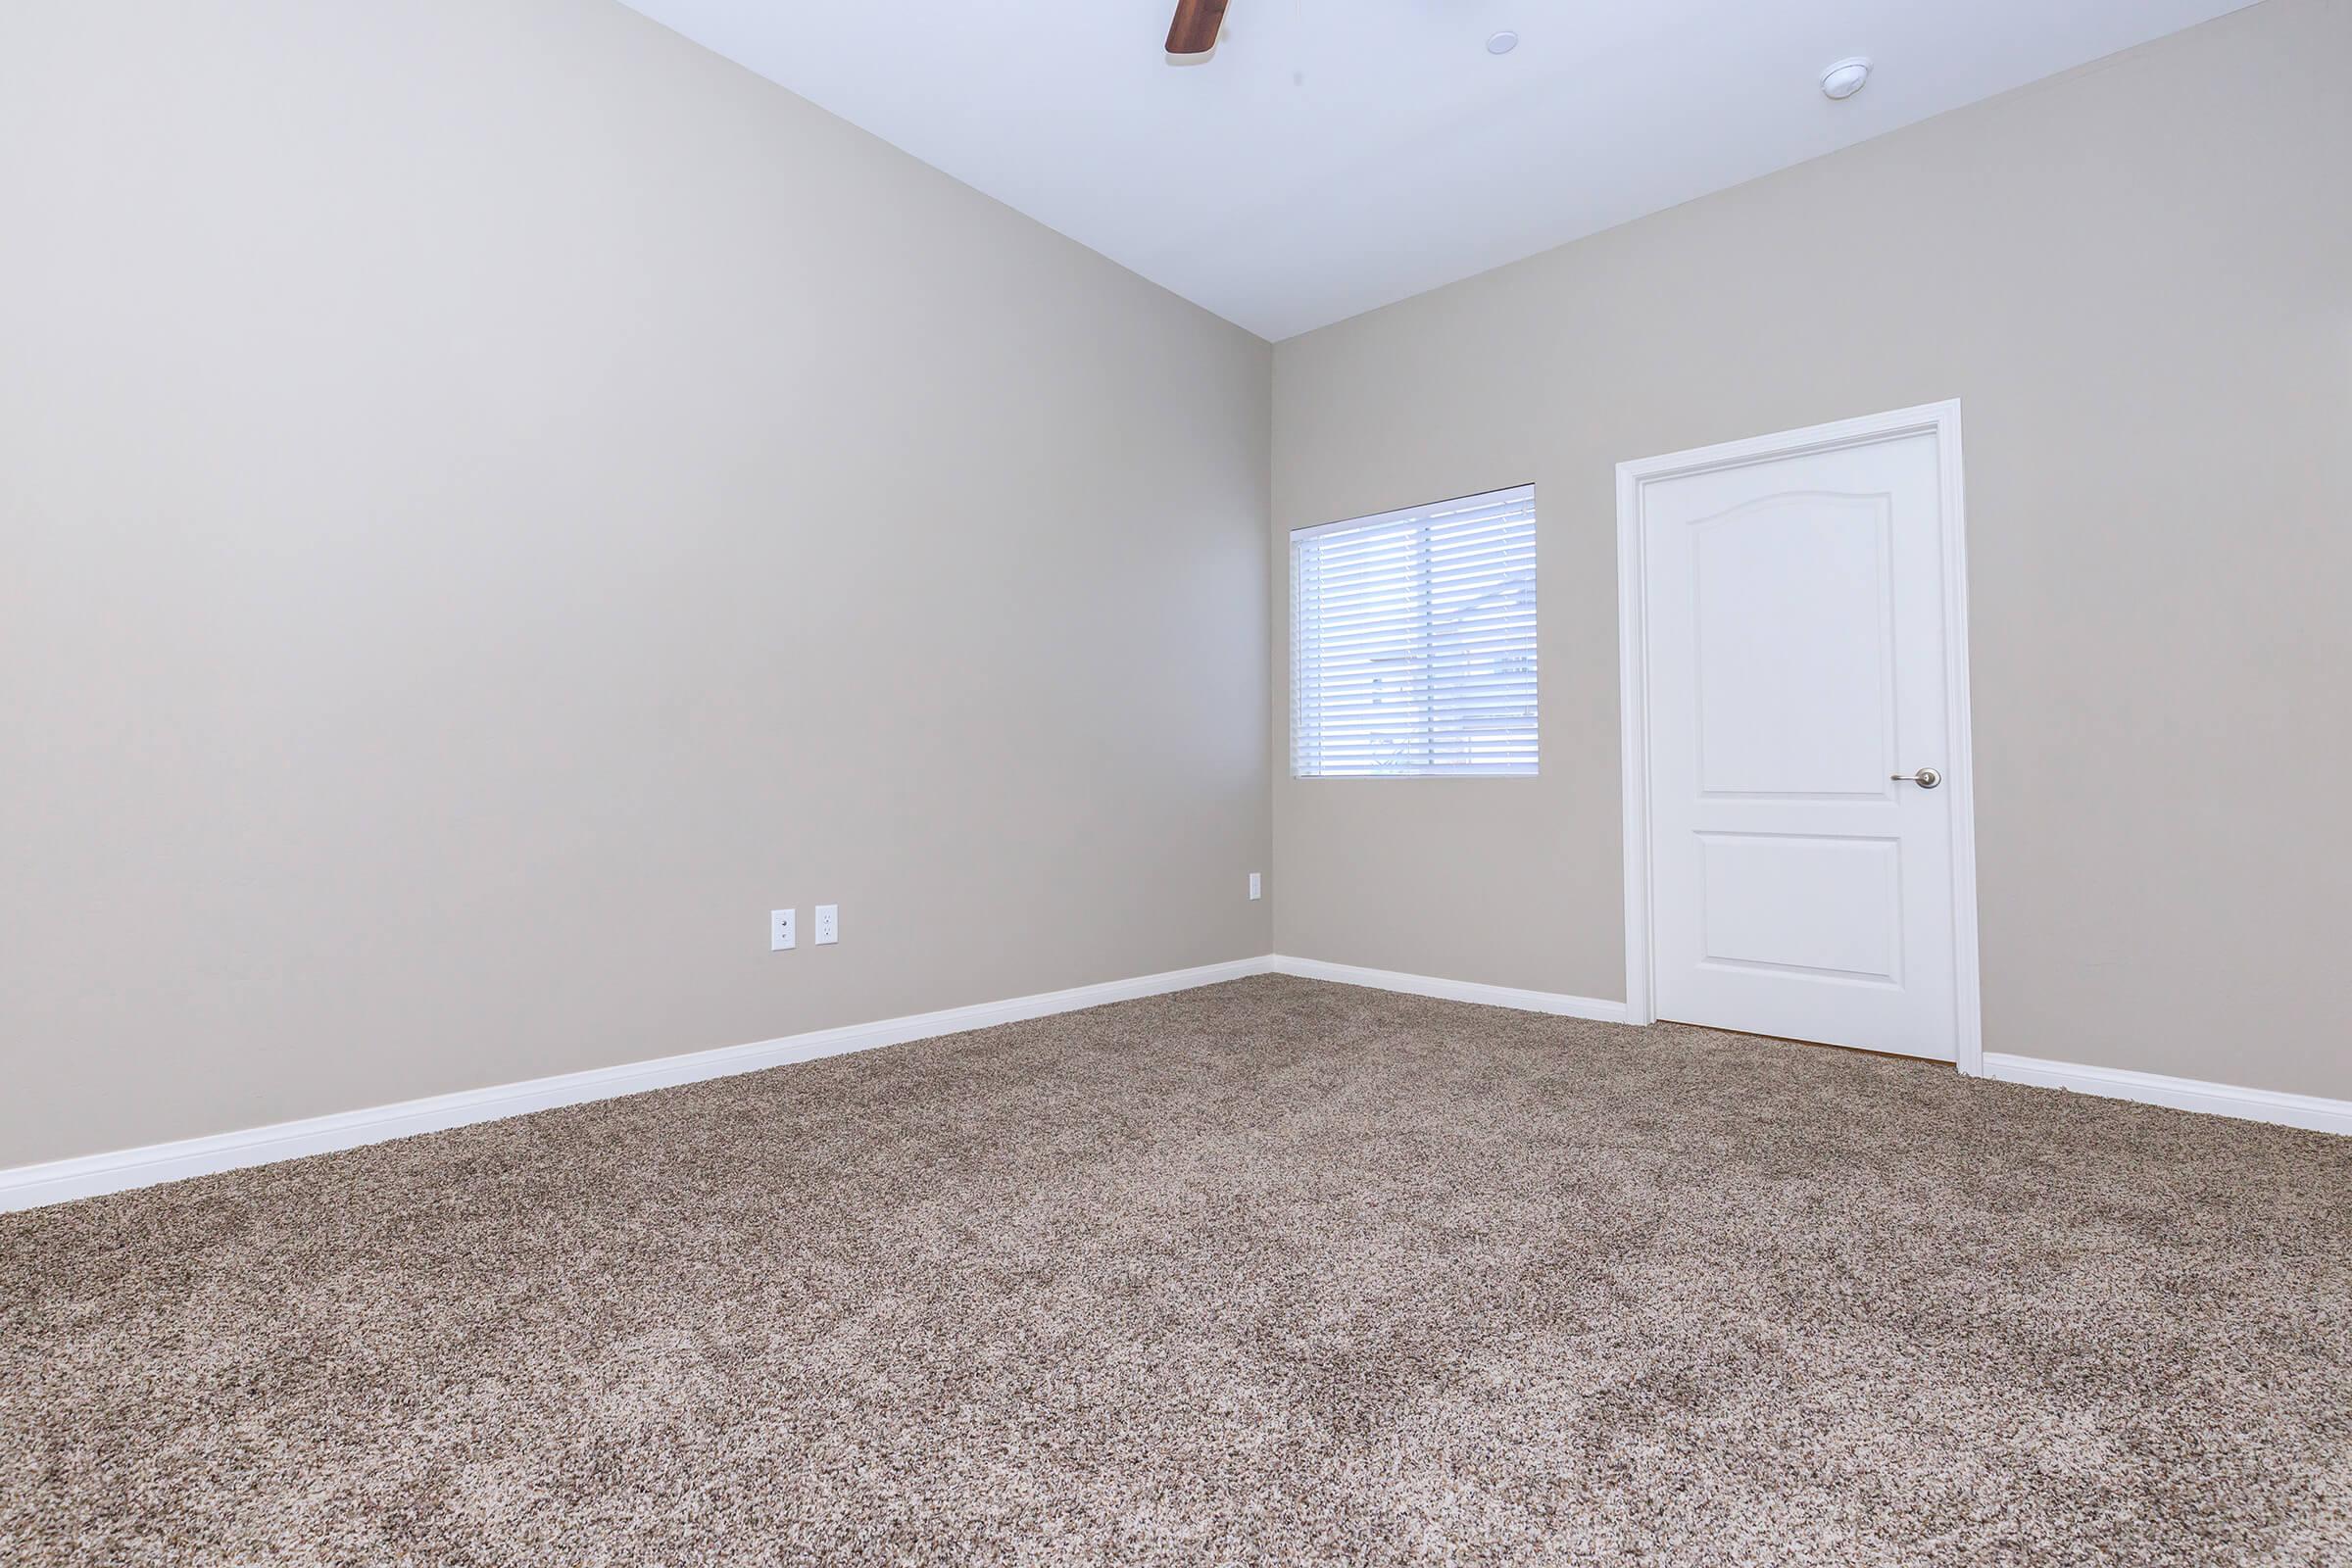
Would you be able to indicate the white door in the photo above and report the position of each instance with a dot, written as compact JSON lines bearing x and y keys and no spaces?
{"x":1803,"y":742}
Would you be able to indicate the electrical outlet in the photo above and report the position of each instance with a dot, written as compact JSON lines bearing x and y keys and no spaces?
{"x":1253,"y":888}
{"x":780,"y":930}
{"x":828,"y":924}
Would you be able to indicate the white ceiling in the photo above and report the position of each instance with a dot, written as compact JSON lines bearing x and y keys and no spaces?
{"x":1336,"y":154}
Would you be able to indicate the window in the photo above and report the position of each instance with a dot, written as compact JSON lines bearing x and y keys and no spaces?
{"x":1413,"y":641}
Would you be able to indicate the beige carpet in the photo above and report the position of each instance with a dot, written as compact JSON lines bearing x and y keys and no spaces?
{"x":1272,"y":1273}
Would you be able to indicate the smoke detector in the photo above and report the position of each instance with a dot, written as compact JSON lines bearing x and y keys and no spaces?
{"x":1845,"y":79}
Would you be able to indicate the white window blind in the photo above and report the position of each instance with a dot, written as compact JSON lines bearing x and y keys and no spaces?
{"x":1413,"y":641}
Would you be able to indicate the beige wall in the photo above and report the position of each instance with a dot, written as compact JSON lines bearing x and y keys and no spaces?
{"x":2137,"y":279}
{"x":492,"y":499}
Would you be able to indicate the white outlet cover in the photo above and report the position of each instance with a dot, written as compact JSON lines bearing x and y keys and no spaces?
{"x":1253,"y":885}
{"x":828,"y":924}
{"x":780,"y":933}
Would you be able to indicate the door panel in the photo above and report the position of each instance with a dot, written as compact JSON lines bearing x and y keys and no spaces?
{"x":1783,"y":901}
{"x":1795,"y":617}
{"x":1815,"y":718}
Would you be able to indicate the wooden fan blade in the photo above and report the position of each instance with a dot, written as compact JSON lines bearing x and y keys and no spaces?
{"x":1194,"y":29}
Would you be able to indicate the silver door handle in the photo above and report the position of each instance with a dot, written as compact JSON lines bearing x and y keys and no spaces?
{"x":1927,"y":778}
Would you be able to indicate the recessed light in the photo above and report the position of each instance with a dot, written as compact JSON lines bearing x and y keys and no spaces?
{"x":1503,"y":43}
{"x":1845,"y":79}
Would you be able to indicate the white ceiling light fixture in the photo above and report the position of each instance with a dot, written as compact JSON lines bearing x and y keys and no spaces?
{"x":1503,"y":43}
{"x":1845,"y":79}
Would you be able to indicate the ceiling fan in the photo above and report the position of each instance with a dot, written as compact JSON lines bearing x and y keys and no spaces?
{"x":1193,"y":35}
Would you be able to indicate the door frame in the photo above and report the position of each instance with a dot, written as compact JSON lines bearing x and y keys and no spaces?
{"x":1942,"y":419}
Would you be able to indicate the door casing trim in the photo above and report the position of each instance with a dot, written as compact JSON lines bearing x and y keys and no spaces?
{"x":1943,"y":420}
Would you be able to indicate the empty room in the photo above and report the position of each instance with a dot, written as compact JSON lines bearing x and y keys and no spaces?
{"x":1175,"y":782}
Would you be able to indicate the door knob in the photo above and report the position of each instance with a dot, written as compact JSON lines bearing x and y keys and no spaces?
{"x":1927,"y":778}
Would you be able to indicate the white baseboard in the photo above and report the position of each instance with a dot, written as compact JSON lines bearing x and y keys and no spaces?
{"x":2114,"y":1083}
{"x":87,"y":1176}
{"x":1422,"y":985}
{"x":2181,"y":1094}
{"x":58,"y":1181}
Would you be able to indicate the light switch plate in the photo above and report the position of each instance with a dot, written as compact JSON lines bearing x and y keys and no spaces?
{"x":1254,"y":886}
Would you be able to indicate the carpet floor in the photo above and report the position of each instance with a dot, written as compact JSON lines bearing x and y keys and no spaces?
{"x":1274,"y":1271}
